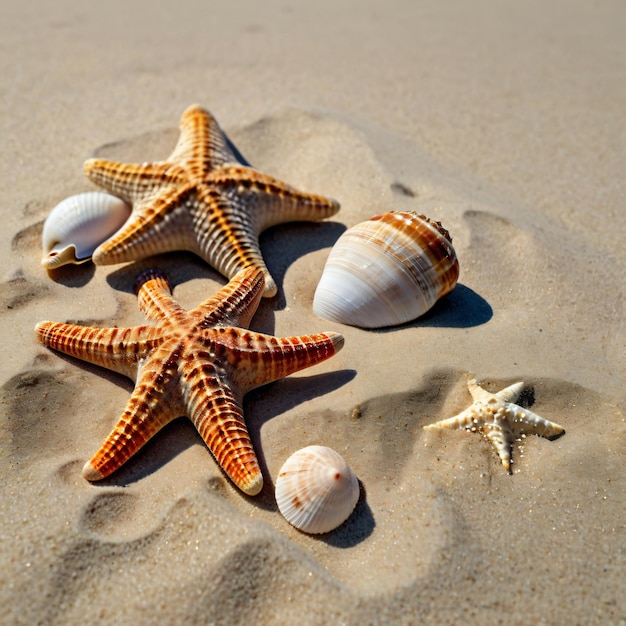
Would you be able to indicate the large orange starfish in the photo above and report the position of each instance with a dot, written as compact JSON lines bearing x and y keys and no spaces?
{"x":202,"y":199}
{"x":198,"y":363}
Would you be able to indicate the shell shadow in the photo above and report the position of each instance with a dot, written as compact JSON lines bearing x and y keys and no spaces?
{"x":461,"y":308}
{"x":358,"y":527}
{"x":70,"y":275}
{"x":73,"y":276}
{"x":28,"y":239}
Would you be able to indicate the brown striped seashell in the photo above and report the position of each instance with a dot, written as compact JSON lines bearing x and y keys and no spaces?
{"x":387,"y":271}
{"x":78,"y":225}
{"x":316,"y":491}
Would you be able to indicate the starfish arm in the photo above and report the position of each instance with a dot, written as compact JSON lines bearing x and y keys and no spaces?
{"x":117,"y":349}
{"x":227,"y":222}
{"x":500,"y":437}
{"x":132,"y":183}
{"x":202,"y":146}
{"x":529,"y":422}
{"x":256,"y":359}
{"x":510,"y":393}
{"x":217,"y":414}
{"x":226,"y":236}
{"x":269,"y":200}
{"x":155,"y":298}
{"x":149,"y":409}
{"x":478,"y":393}
{"x":162,"y":225}
{"x":234,"y":304}
{"x":469,"y":419}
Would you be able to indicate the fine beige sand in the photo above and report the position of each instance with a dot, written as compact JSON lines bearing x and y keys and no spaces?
{"x":504,"y":120}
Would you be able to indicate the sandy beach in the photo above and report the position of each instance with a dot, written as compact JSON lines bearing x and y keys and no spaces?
{"x":504,"y":121}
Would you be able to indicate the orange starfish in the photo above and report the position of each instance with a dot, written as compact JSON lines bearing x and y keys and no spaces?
{"x":198,"y":363}
{"x":202,"y":199}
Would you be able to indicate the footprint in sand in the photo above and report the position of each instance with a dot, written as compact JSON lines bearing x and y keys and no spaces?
{"x":114,"y":516}
{"x":19,"y":291}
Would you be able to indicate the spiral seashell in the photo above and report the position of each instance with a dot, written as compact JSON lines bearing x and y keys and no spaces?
{"x":316,"y":491}
{"x":78,"y":225}
{"x":386,"y":271}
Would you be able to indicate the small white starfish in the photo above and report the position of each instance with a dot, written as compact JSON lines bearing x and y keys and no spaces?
{"x":499,"y":419}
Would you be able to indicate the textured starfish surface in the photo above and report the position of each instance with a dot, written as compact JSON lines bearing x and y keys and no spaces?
{"x":203,"y":200}
{"x":500,"y":420}
{"x":198,"y":363}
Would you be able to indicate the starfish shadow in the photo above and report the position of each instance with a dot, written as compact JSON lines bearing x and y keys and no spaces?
{"x":282,"y":245}
{"x":174,"y":439}
{"x":153,"y":144}
{"x":270,"y":401}
{"x":113,"y":377}
{"x":233,"y":148}
{"x":180,"y":267}
{"x":285,"y":394}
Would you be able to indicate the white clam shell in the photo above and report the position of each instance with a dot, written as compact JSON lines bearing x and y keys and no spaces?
{"x":316,"y":490}
{"x":386,"y":271}
{"x":78,"y":225}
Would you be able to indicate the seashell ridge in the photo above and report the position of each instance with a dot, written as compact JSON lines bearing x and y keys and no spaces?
{"x":316,"y":490}
{"x":386,"y":271}
{"x":78,"y":225}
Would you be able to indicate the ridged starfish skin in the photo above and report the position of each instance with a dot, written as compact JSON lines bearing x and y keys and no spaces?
{"x":497,"y":417}
{"x":203,"y":200}
{"x":197,"y":363}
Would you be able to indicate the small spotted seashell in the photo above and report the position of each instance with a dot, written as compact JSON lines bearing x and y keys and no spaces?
{"x":386,"y":271}
{"x":78,"y":225}
{"x":316,"y":491}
